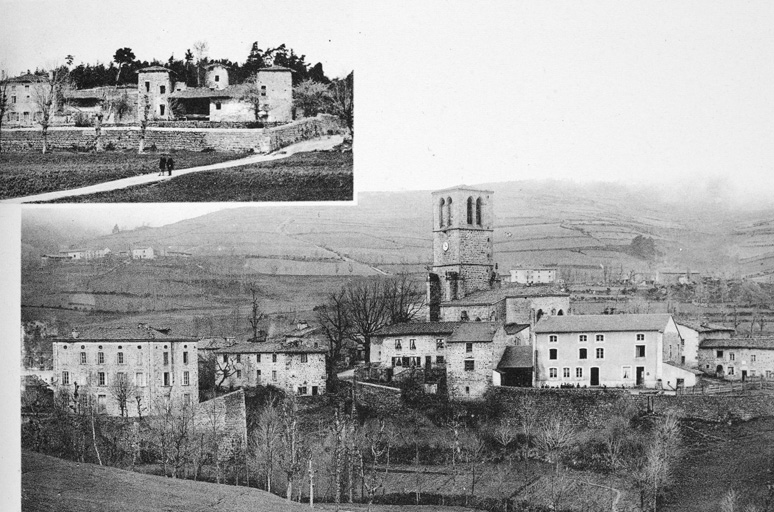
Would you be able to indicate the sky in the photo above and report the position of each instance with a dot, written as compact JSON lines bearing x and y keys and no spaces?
{"x":92,"y":30}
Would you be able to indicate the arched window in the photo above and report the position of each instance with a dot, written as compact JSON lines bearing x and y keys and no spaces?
{"x":538,"y":315}
{"x":560,"y":313}
{"x":478,"y":211}
{"x":470,"y":210}
{"x":440,"y":212}
{"x":448,"y":211}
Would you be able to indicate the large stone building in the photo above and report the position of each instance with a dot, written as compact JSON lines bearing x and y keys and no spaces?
{"x":129,"y":368}
{"x":610,"y":350}
{"x":296,"y":367}
{"x":23,"y":107}
{"x":693,"y":333}
{"x":737,"y":358}
{"x":533,"y":275}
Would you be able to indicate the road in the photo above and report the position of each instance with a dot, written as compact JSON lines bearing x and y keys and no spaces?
{"x":321,"y":144}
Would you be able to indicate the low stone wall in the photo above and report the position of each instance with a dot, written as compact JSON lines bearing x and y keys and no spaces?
{"x":225,"y":415}
{"x":171,"y":139}
{"x":594,"y":407}
{"x":381,"y":399}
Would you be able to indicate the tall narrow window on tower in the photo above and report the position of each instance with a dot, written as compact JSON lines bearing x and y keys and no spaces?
{"x":478,"y":211}
{"x":448,"y":211}
{"x":470,"y":210}
{"x":440,"y":212}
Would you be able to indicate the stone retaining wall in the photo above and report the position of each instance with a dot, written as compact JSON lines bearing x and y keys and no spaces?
{"x":381,"y":399}
{"x":169,"y":139}
{"x":225,"y":415}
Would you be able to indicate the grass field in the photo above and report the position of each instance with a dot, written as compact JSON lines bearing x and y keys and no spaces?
{"x":315,"y":176}
{"x":24,"y":174}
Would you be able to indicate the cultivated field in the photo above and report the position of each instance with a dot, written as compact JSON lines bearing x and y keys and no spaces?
{"x":24,"y":174}
{"x":315,"y":176}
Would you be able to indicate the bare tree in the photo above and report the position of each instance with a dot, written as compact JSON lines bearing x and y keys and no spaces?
{"x":45,"y":95}
{"x":201,"y":49}
{"x":123,"y":389}
{"x":404,"y":298}
{"x":144,"y":118}
{"x":342,"y":95}
{"x":368,"y":312}
{"x":266,"y":437}
{"x":290,"y":455}
{"x":256,"y":315}
{"x":256,"y":97}
{"x":336,"y":324}
{"x":555,"y":436}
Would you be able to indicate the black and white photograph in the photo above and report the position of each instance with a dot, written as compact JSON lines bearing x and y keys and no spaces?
{"x":546,"y":284}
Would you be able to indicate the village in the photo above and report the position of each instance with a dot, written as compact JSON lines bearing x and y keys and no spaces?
{"x":467,"y":335}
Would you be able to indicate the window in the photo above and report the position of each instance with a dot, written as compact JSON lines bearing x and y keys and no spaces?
{"x":162,"y":89}
{"x":398,"y":344}
{"x":470,"y":210}
{"x":639,"y":351}
{"x":439,"y":344}
{"x":101,"y":380}
{"x":217,"y":105}
{"x":553,"y":338}
{"x":258,"y":376}
{"x":187,"y":399}
{"x":640,"y":337}
{"x":552,"y":353}
{"x":83,"y":357}
{"x":304,"y":358}
{"x":583,"y":354}
{"x":101,"y":403}
{"x":579,"y":373}
{"x":730,"y":370}
{"x":274,"y":358}
{"x":600,"y":353}
{"x":139,"y":379}
{"x":120,"y":358}
{"x":65,"y":378}
{"x":626,"y":372}
{"x":263,"y":90}
{"x":239,"y":374}
{"x":467,"y":390}
{"x":439,"y":359}
{"x":121,"y":377}
{"x":225,"y":358}
{"x":166,"y":378}
{"x":217,"y":78}
{"x":301,"y":390}
{"x":600,"y":337}
{"x":470,"y":365}
{"x":166,"y":358}
{"x":185,"y":357}
{"x":553,"y":373}
{"x":100,"y":358}
{"x":412,"y":344}
{"x":468,"y":347}
{"x":258,"y":358}
{"x":274,"y":375}
{"x":566,"y":373}
{"x":752,"y":358}
{"x":187,"y":378}
{"x":478,"y":211}
{"x":731,"y":356}
{"x":13,"y":100}
{"x":147,"y":86}
{"x":583,"y":338}
{"x":161,"y":110}
{"x":719,"y":353}
{"x":239,"y":358}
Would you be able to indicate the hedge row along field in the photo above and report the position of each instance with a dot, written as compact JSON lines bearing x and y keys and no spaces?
{"x":24,"y":174}
{"x":317,"y":176}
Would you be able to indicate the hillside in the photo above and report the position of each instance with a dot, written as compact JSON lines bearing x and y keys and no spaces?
{"x":49,"y":483}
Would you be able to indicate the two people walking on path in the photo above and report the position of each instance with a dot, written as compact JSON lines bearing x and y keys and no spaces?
{"x":166,"y":163}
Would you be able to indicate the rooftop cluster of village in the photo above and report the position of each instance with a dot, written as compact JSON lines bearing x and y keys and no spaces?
{"x":479,"y":332}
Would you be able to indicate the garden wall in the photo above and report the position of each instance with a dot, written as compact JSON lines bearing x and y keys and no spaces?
{"x":594,"y":407}
{"x":382,"y":399}
{"x":169,"y":139}
{"x":225,"y":415}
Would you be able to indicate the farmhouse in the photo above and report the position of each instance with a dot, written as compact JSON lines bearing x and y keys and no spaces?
{"x":23,"y":109}
{"x":610,"y":350}
{"x":693,"y":333}
{"x":127,"y":370}
{"x":533,"y":275}
{"x":143,"y":253}
{"x":295,"y":367}
{"x":85,"y":254}
{"x":737,"y":358}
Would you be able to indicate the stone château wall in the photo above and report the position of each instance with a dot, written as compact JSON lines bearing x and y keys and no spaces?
{"x":169,"y":139}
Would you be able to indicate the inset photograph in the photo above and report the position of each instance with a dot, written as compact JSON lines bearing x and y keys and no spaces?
{"x":175,"y":108}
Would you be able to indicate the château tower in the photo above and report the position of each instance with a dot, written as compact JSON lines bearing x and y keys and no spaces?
{"x":463,"y":246}
{"x":155,"y":83}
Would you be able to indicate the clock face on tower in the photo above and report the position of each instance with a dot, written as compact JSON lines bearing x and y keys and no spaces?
{"x":445,"y":246}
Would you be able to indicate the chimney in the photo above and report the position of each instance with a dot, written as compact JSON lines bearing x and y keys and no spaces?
{"x":75,"y":334}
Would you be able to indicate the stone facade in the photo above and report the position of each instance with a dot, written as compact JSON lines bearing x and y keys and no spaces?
{"x":155,"y":83}
{"x":533,"y":275}
{"x":693,"y":334}
{"x":155,"y":367}
{"x":22,"y":108}
{"x":278,"y":84}
{"x":225,"y":415}
{"x":216,"y":76}
{"x":737,"y":359}
{"x":524,"y":310}
{"x":471,"y":364}
{"x":180,"y":139}
{"x":399,"y":351}
{"x":296,"y":369}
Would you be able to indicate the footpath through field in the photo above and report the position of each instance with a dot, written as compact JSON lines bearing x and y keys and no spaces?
{"x":320,"y":144}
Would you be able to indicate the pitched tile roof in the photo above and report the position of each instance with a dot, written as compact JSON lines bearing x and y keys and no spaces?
{"x":759,"y":343}
{"x":124,"y":333}
{"x":418,"y":328}
{"x":515,"y":328}
{"x":232,"y":91}
{"x":274,"y":68}
{"x":474,"y":332}
{"x":516,"y":357}
{"x":152,"y":69}
{"x":684,"y":368}
{"x":704,"y":327}
{"x":602,"y":323}
{"x":488,"y":297}
{"x":270,"y":347}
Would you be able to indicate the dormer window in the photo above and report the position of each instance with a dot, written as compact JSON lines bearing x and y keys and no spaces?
{"x":217,"y":78}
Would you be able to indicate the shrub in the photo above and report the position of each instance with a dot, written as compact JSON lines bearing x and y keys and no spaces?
{"x":83,"y":120}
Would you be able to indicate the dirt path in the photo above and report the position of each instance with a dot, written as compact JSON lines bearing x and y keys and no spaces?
{"x":321,"y":144}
